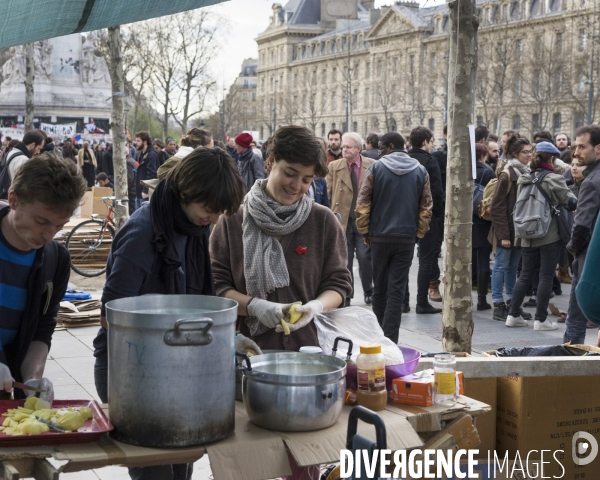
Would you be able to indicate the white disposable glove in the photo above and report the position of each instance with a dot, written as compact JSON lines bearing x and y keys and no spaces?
{"x":45,"y":385}
{"x":309,"y":311}
{"x":6,"y":379}
{"x":268,"y":313}
{"x":244,"y":344}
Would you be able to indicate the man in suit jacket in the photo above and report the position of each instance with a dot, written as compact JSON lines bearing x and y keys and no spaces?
{"x":343,"y":183}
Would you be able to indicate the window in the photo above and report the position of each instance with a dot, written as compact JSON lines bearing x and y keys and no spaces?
{"x":438,"y":25}
{"x":356,"y":69}
{"x":433,"y":60}
{"x":334,"y":74}
{"x":479,"y":120}
{"x":537,"y":84}
{"x":518,"y":85}
{"x":367,"y":95}
{"x":355,"y":101}
{"x":333,"y":125}
{"x":535,"y":122}
{"x":379,"y":97}
{"x":559,"y":81}
{"x":281,"y":54}
{"x":295,"y":80}
{"x":519,"y":48}
{"x":395,"y":65}
{"x":379,"y":68}
{"x":554,"y":6}
{"x":334,"y":101}
{"x":366,"y":128}
{"x":314,"y":77}
{"x":556,"y":123}
{"x":323,"y":129}
{"x":582,"y":41}
{"x":323,"y":100}
{"x":432,"y":124}
{"x":368,"y":70}
{"x":244,"y":96}
{"x":272,"y":58}
{"x":534,"y":9}
{"x":516,"y":122}
{"x":324,"y":73}
{"x":579,"y":119}
{"x":505,"y":12}
{"x":559,"y":43}
{"x":253,"y":96}
{"x":355,"y":126}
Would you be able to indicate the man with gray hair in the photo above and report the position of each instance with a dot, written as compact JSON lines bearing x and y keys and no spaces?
{"x":343,"y":183}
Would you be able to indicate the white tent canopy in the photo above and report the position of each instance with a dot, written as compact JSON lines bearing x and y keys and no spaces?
{"x":25,"y":21}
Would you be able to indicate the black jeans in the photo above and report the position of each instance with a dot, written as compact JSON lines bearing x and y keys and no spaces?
{"x":355,"y":241}
{"x":544,"y":260}
{"x":391,"y":264}
{"x":482,"y":255}
{"x":435,"y":270}
{"x":182,"y":471}
{"x":427,"y":258}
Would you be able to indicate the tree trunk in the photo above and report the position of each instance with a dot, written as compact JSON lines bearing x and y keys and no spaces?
{"x":29,"y":77}
{"x":117,"y":124}
{"x":457,"y":317}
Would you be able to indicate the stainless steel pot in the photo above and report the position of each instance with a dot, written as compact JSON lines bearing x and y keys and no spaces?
{"x":294,"y":392}
{"x":171,"y":369}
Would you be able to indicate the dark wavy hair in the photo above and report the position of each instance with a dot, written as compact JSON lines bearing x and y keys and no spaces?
{"x":514,"y":144}
{"x":296,"y":144}
{"x":209,"y":176}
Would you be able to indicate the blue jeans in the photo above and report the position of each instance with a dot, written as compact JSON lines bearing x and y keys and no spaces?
{"x":576,"y":320}
{"x":505,"y":273}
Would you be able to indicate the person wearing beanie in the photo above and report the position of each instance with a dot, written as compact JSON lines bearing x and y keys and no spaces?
{"x":250,"y":164}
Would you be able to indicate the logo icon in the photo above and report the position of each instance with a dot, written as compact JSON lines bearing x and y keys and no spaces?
{"x":584,"y":444}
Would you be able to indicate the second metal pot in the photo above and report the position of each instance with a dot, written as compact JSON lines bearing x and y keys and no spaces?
{"x":293,"y":391}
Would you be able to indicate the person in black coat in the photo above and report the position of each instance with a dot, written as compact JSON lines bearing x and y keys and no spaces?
{"x":421,"y":138}
{"x":107,"y":163}
{"x":482,"y":248}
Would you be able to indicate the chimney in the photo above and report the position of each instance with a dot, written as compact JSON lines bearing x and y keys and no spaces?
{"x":368,"y":4}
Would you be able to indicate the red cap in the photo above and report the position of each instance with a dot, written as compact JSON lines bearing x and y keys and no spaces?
{"x":243,"y":140}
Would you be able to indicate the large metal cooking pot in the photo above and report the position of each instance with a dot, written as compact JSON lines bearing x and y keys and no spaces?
{"x":171,"y":369}
{"x":292,"y":391}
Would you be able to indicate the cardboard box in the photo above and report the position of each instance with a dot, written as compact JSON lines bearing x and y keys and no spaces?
{"x":417,"y":389}
{"x":484,"y":390}
{"x":544,"y":413}
{"x":98,"y":206}
{"x":87,"y":205}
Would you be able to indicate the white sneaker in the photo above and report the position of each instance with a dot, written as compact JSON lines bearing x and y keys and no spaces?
{"x":515,"y":322}
{"x":546,"y":325}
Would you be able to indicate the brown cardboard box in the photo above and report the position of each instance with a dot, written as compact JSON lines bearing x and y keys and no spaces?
{"x":98,"y":206}
{"x":484,"y":390}
{"x":86,"y":205}
{"x":543,"y":413}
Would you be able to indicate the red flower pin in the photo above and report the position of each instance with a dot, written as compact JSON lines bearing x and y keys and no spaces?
{"x":300,"y":250}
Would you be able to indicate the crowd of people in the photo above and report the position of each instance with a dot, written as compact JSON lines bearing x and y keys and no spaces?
{"x":279,"y":225}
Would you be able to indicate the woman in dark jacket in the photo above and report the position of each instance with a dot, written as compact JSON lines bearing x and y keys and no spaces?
{"x":482,"y":248}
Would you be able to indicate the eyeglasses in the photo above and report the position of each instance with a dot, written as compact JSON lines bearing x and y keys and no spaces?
{"x":526,"y":152}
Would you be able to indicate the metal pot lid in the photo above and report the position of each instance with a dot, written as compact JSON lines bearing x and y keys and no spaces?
{"x":295,"y":368}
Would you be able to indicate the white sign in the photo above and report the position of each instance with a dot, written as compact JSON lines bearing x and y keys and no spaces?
{"x":473,"y":150}
{"x":14,"y":133}
{"x":63,"y":130}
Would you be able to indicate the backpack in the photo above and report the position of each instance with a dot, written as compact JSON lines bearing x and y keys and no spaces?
{"x":485,"y":206}
{"x":478,"y":190}
{"x":5,"y":174}
{"x":532,"y":215}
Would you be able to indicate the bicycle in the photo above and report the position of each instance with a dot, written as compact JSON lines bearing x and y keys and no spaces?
{"x":90,"y":241}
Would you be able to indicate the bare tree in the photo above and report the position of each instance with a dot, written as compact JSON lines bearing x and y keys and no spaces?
{"x":314,"y":107}
{"x":197,"y":44}
{"x":457,"y":317}
{"x":386,"y":90}
{"x":414,"y":92}
{"x":29,"y":78}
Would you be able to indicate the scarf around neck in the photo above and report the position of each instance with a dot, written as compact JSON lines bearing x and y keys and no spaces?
{"x":168,"y":219}
{"x":546,"y":166}
{"x":265,"y":219}
{"x":518,"y":167}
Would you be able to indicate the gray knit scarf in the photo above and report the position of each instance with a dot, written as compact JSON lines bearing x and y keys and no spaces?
{"x":264,"y":220}
{"x":518,"y":167}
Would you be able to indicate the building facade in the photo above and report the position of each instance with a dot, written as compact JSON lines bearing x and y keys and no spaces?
{"x":330,"y":64}
{"x":239,"y":108}
{"x":72,"y":88}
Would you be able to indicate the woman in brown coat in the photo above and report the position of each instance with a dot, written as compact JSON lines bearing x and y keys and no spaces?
{"x":282,"y":248}
{"x":502,"y":234}
{"x":87,"y":162}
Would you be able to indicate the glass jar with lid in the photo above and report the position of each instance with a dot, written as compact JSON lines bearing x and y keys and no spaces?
{"x":444,"y":384}
{"x":370,"y":364}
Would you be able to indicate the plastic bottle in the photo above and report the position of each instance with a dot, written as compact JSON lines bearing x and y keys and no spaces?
{"x":444,"y":383}
{"x":371,"y":378}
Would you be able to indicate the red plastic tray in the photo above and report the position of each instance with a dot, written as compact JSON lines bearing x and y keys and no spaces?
{"x":92,"y":430}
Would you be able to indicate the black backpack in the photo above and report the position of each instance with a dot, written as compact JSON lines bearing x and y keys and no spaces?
{"x":5,"y":173}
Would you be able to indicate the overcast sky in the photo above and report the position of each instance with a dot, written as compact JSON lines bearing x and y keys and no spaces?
{"x":248,"y":18}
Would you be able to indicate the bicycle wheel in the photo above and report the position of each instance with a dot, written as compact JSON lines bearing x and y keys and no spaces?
{"x":89,"y":245}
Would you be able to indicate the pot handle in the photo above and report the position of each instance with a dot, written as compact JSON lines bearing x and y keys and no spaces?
{"x":335,"y":345}
{"x":179,"y":337}
{"x":248,"y":368}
